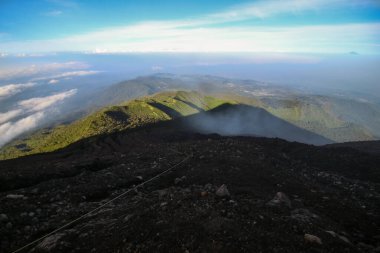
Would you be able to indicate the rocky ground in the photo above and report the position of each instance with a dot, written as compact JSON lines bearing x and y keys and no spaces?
{"x":228,"y":194}
{"x":372,"y":147}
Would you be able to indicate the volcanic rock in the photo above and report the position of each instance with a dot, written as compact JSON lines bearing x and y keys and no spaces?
{"x":222,"y":191}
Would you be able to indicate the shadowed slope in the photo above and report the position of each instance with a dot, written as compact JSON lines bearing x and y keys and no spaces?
{"x":229,"y":119}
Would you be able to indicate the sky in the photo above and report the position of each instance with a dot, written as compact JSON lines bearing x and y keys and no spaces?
{"x":99,"y":26}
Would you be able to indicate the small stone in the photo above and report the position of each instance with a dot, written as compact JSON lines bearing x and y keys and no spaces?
{"x":332,"y":233}
{"x":50,"y":243}
{"x":139,"y":178}
{"x":128,"y":217}
{"x":177,"y":180}
{"x":222,"y":191}
{"x":204,"y":194}
{"x":279,"y":199}
{"x":163,"y":203}
{"x":3,"y":217}
{"x":208,"y":187}
{"x":31,"y":214}
{"x":9,"y":225}
{"x":14,"y":196}
{"x":345,"y":239}
{"x":312,"y":239}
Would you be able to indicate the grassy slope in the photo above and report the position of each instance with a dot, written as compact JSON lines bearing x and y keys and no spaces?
{"x":318,"y":116}
{"x":111,"y":119}
{"x":314,"y":114}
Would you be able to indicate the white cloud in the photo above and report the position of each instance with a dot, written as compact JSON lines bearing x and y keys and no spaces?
{"x":100,"y":51}
{"x":41,"y":103}
{"x":12,"y":89}
{"x":171,"y":37}
{"x":39,"y":69}
{"x":196,"y":34}
{"x":6,"y":116}
{"x":10,"y":130}
{"x":157,"y":68}
{"x":68,"y":74}
{"x":32,"y":111}
{"x":35,"y":104}
{"x":53,"y":81}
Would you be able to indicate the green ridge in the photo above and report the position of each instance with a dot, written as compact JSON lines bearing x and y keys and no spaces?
{"x":316,"y":114}
{"x":128,"y":115}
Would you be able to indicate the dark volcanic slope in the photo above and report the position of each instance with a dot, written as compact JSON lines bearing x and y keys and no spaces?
{"x":372,"y":147}
{"x":335,"y":190}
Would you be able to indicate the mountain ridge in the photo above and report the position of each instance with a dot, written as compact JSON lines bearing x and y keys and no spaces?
{"x":322,"y":115}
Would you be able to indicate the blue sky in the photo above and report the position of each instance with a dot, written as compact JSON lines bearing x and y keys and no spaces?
{"x":99,"y":26}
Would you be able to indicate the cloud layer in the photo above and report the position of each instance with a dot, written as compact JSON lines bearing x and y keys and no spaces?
{"x":10,"y":130}
{"x":69,"y":74}
{"x":8,"y":72}
{"x":28,"y":114}
{"x":12,"y":89}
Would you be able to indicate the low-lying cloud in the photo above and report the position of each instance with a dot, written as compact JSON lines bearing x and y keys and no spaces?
{"x":40,"y":69}
{"x":53,"y":81}
{"x":10,"y":130}
{"x":29,"y":114}
{"x":41,"y":103}
{"x":6,"y":116}
{"x":67,"y":75}
{"x":12,"y":89}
